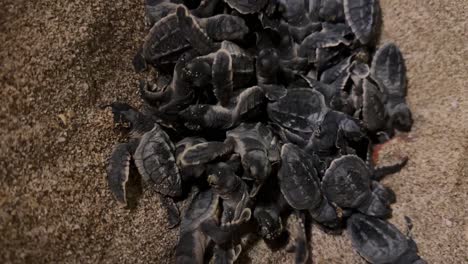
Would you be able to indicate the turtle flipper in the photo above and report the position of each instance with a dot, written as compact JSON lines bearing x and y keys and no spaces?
{"x":298,"y":239}
{"x":381,"y":172}
{"x":204,"y":152}
{"x":118,"y":170}
{"x":226,"y":255}
{"x":193,"y":32}
{"x":205,"y":9}
{"x":373,"y":111}
{"x":173,"y":215}
{"x":222,"y":77}
{"x":248,"y":100}
{"x":374,"y":206}
{"x":389,"y":71}
{"x":361,"y":17}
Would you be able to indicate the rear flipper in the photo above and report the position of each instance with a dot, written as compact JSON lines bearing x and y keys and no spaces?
{"x":298,"y":239}
{"x":205,"y":152}
{"x":381,"y":172}
{"x":172,"y":211}
{"x":222,"y":77}
{"x":325,"y":214}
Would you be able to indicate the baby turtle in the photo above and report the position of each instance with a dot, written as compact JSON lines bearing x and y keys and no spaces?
{"x":333,"y":133}
{"x":247,"y":6}
{"x":256,"y":145}
{"x":389,"y":71}
{"x":219,"y":117}
{"x":232,"y":190}
{"x":347,"y":183}
{"x":379,"y":242}
{"x":174,"y":97}
{"x":299,"y":110}
{"x":152,"y":152}
{"x":361,"y":16}
{"x":300,"y":185}
{"x":192,"y":241}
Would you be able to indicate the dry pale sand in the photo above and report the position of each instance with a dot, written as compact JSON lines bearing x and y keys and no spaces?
{"x":59,"y":60}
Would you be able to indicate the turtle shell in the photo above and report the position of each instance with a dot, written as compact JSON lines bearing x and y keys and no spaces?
{"x":298,"y":179}
{"x":155,"y":161}
{"x":298,"y":110}
{"x":246,"y":6}
{"x":164,"y":40}
{"x":376,"y":240}
{"x":347,"y":182}
{"x":389,"y":71}
{"x":202,"y":207}
{"x":361,"y":17}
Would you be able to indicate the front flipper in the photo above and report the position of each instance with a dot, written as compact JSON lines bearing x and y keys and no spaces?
{"x":298,"y":239}
{"x":222,"y":234}
{"x":173,"y":215}
{"x":381,"y":172}
{"x":205,"y":152}
{"x":226,"y":256}
{"x":222,"y":77}
{"x":205,"y":9}
{"x":374,"y":206}
{"x":118,"y":170}
{"x":193,"y":32}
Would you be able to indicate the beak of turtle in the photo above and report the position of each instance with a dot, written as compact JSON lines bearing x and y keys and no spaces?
{"x":212,"y":179}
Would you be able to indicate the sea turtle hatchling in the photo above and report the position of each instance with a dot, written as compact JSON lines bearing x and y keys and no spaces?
{"x":389,"y":71}
{"x":193,"y":242}
{"x":256,"y":145}
{"x":380,"y":242}
{"x":348,"y":183}
{"x":152,"y":152}
{"x":300,"y":185}
{"x":246,"y":105}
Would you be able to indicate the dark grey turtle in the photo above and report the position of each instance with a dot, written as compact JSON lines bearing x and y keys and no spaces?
{"x":256,"y":145}
{"x":172,"y":35}
{"x":242,"y":66}
{"x":362,"y":17}
{"x":232,"y":190}
{"x":299,"y":110}
{"x":298,"y":238}
{"x":347,"y":183}
{"x":192,"y":241}
{"x":300,"y":185}
{"x":333,"y":133}
{"x":189,"y":171}
{"x":156,"y":10}
{"x":219,"y":117}
{"x":247,"y":6}
{"x":389,"y":71}
{"x":379,"y":242}
{"x":175,"y":97}
{"x":152,"y":152}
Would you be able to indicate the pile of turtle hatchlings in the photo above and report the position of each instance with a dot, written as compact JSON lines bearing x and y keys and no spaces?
{"x":263,"y":113}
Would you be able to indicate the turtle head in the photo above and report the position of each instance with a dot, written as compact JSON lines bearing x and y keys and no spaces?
{"x":269,"y":226}
{"x":197,"y":72}
{"x":124,"y":113}
{"x":194,"y":113}
{"x":222,"y":178}
{"x":267,"y":61}
{"x":351,"y":129}
{"x":401,"y":117}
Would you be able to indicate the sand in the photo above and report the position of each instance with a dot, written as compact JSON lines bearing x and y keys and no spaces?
{"x":61,"y":60}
